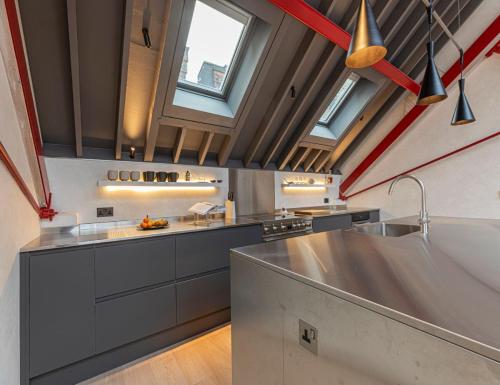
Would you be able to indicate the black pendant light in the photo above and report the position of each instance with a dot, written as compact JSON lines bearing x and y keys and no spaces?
{"x":432,"y":89}
{"x":463,"y":113}
{"x":367,"y":45}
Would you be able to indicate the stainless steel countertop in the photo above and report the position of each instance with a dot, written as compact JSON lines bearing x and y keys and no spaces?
{"x":447,"y":285}
{"x":90,"y":235}
{"x":117,"y":231}
{"x":349,"y":210}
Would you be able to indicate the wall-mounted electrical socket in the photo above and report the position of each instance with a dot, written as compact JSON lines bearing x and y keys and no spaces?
{"x":308,"y":337}
{"x":104,"y":212}
{"x":326,"y":200}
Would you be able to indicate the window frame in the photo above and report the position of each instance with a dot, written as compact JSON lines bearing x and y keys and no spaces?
{"x":241,"y":16}
{"x":355,"y":78}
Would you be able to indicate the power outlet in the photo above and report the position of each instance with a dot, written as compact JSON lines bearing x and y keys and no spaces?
{"x":326,"y":200}
{"x":308,"y":337}
{"x":104,"y":212}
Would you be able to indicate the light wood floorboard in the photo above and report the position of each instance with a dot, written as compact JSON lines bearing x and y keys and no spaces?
{"x":203,"y":361}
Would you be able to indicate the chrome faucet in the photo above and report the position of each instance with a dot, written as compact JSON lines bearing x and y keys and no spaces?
{"x":424,"y":215}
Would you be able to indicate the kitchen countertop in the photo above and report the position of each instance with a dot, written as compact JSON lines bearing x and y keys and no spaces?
{"x":447,"y":285}
{"x":97,"y":234}
{"x":118,"y":231}
{"x":328,"y":212}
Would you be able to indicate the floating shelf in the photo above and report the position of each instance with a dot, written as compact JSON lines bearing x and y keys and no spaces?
{"x":151,"y":186}
{"x":304,"y":186}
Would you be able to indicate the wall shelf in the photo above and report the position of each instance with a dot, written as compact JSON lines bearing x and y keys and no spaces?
{"x":153,"y":186}
{"x":304,"y":186}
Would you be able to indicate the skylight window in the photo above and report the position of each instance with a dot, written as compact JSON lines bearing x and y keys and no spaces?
{"x":338,"y":99}
{"x":215,"y":41}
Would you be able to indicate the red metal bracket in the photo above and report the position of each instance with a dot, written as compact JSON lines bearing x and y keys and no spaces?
{"x":472,"y":53}
{"x":425,"y":164}
{"x":318,"y":22}
{"x":43,"y":212}
{"x":17,"y":41}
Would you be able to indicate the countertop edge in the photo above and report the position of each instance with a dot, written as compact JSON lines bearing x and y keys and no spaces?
{"x":459,"y":340}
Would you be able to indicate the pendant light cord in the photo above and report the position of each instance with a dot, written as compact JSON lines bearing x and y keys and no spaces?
{"x":429,"y":19}
{"x":461,"y":50}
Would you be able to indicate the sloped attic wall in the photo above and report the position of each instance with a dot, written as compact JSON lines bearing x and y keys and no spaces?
{"x":465,"y":185}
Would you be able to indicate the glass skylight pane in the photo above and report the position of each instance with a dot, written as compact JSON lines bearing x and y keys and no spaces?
{"x":211,"y":46}
{"x":337,"y":100}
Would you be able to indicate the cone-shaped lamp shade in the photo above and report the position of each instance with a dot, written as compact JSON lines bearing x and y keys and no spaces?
{"x":367,"y":45}
{"x":432,"y":90}
{"x":463,"y":113}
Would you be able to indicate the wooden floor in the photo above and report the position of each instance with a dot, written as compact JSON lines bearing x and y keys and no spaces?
{"x":203,"y":361}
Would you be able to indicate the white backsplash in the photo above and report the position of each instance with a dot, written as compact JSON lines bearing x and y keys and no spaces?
{"x":77,"y":197}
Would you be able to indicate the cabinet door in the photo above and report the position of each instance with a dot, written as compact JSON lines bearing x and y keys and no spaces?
{"x":209,"y":250}
{"x":329,"y":223}
{"x":61,"y":307}
{"x":134,"y":316}
{"x":131,"y":265}
{"x":201,"y":296}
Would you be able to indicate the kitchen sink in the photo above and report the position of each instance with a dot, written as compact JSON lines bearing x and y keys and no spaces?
{"x":386,"y":229}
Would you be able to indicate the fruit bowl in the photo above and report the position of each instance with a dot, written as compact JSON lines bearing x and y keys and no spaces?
{"x":152,"y":224}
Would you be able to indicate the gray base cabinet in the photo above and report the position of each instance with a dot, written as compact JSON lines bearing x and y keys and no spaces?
{"x":61,"y":309}
{"x":88,"y":309}
{"x":344,"y":221}
{"x":132,"y":317}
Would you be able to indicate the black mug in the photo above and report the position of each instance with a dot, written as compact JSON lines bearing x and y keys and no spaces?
{"x":161,"y":176}
{"x":173,"y":176}
{"x":148,"y":176}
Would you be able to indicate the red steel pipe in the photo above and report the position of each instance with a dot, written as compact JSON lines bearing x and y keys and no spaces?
{"x":426,"y":163}
{"x":10,"y":6}
{"x":472,"y":52}
{"x":318,"y":22}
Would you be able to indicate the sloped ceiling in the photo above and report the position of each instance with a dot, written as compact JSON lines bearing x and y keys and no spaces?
{"x":120,"y":92}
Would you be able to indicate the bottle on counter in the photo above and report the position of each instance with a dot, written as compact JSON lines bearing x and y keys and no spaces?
{"x":187,"y":176}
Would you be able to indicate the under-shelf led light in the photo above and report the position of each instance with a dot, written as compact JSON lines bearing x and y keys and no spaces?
{"x":158,"y":188}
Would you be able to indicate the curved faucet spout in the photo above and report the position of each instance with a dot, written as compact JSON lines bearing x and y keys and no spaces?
{"x":424,"y":215}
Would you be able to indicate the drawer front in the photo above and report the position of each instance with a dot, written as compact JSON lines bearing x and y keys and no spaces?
{"x":201,"y":296}
{"x":330,"y":223}
{"x":61,"y":308}
{"x":132,"y":265}
{"x":375,"y":216}
{"x":209,"y":250}
{"x":134,"y":316}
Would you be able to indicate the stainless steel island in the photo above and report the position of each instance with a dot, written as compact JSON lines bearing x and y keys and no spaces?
{"x":350,"y":307}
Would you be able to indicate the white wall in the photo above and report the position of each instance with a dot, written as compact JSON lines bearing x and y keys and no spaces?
{"x":290,"y":198}
{"x":465,"y":185}
{"x":19,"y":223}
{"x":74,"y":185}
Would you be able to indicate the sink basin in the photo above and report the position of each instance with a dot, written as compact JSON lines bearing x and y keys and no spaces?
{"x":386,"y":229}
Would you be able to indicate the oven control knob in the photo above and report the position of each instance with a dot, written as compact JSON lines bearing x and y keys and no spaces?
{"x":284,"y":227}
{"x":275,"y":228}
{"x":294,"y":226}
{"x":267,"y":230}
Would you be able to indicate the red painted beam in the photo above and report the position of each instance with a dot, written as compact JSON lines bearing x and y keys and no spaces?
{"x":17,"y":41}
{"x":11,"y":168}
{"x":318,"y":22}
{"x":426,"y":163}
{"x":472,"y":52}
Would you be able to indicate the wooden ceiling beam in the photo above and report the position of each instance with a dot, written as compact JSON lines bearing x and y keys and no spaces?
{"x":313,"y":156}
{"x":307,"y":46}
{"x":321,"y":161}
{"x":192,"y":125}
{"x":179,"y":142}
{"x":75,"y":74}
{"x":300,"y":156}
{"x":127,"y":28}
{"x":204,"y":147}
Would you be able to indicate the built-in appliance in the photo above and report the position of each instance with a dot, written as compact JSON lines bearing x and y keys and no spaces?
{"x":282,"y":226}
{"x":254,"y":196}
